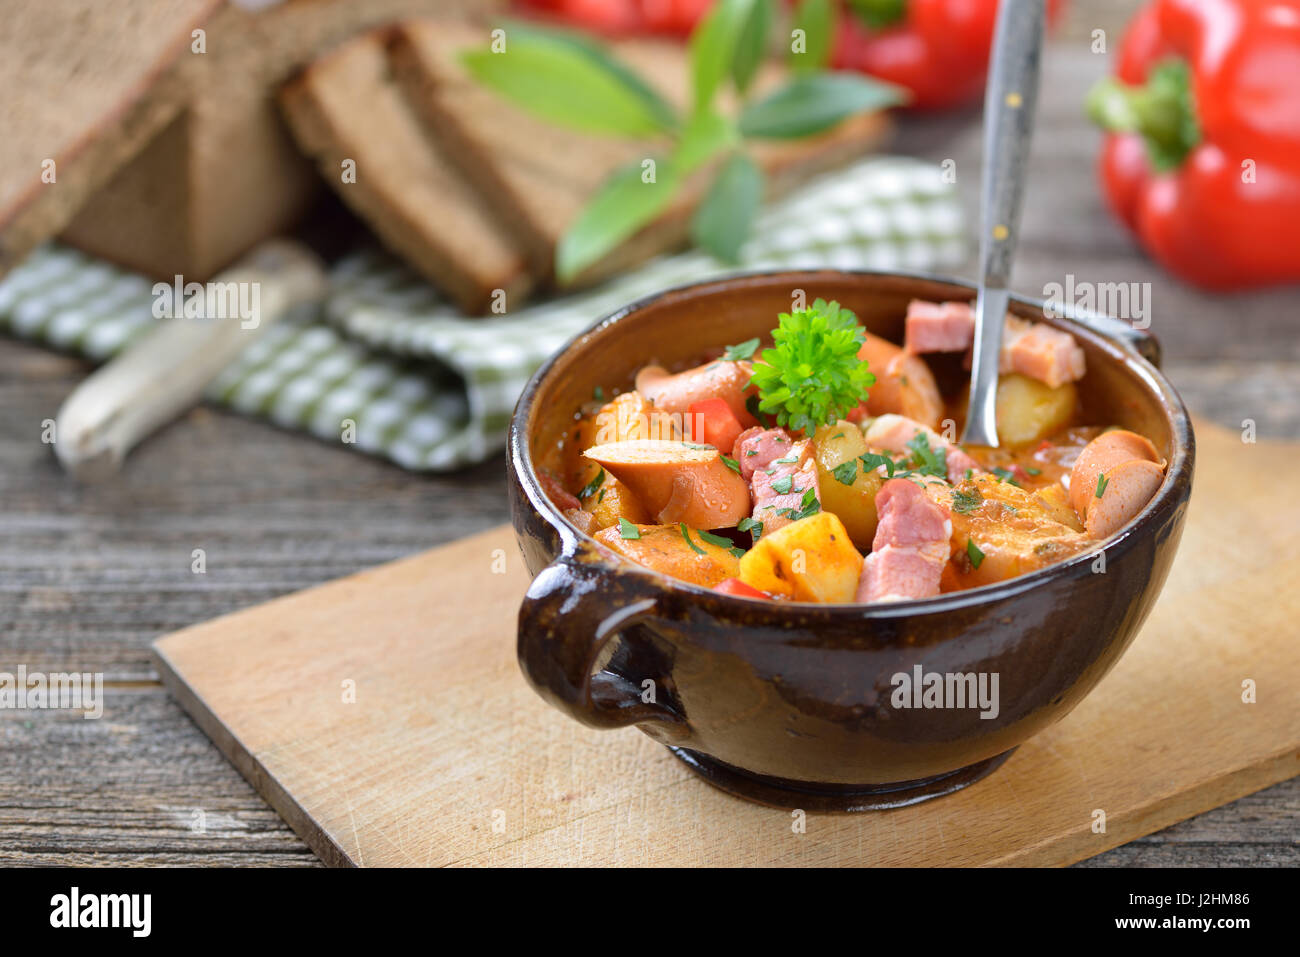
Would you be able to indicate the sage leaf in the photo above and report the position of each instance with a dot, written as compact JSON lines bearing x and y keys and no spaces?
{"x":624,"y":204}
{"x":725,"y":217}
{"x":564,"y":83}
{"x":813,"y":102}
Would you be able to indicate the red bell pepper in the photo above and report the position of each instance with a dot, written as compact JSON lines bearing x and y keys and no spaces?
{"x":734,"y":586}
{"x":624,"y":17}
{"x":713,"y":423}
{"x":1203,"y":158}
{"x":938,"y":49}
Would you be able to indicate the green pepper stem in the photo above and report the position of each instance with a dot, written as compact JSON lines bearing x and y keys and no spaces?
{"x":878,"y":14}
{"x":1161,"y":110}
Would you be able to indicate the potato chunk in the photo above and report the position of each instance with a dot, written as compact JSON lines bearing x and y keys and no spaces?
{"x":665,"y":549}
{"x":609,"y":502}
{"x":1029,"y":411}
{"x":854,"y":501}
{"x":812,"y":559}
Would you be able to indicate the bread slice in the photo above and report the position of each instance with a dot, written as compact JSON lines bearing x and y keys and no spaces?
{"x":226,"y":173}
{"x":86,"y":85}
{"x":345,"y":106}
{"x":537,"y":176}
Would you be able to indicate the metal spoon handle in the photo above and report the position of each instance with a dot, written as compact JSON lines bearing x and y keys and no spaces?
{"x":1009,"y":104}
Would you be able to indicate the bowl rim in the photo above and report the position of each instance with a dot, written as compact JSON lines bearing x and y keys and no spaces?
{"x":1178,"y":471}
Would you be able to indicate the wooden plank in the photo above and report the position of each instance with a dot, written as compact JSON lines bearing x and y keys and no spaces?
{"x":444,"y":739}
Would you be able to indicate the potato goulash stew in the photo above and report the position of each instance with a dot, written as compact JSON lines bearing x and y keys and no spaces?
{"x":771,"y":473}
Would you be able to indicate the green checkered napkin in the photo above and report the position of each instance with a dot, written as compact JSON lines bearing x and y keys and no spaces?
{"x":433,"y":390}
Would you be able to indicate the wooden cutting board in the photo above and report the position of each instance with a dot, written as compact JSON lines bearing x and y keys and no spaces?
{"x":384,"y":717}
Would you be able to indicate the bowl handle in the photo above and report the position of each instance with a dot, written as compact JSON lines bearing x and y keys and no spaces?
{"x":572,"y":609}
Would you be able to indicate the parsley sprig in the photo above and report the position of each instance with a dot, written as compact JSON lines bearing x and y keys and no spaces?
{"x":813,"y":374}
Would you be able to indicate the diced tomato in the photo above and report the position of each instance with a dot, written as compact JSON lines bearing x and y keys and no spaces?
{"x":734,"y":586}
{"x":713,"y":423}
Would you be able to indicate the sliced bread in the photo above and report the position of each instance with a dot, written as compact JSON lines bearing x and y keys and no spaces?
{"x":84,"y":86}
{"x":345,"y":107}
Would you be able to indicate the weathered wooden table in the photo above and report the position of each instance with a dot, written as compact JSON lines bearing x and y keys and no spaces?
{"x":89,"y":576}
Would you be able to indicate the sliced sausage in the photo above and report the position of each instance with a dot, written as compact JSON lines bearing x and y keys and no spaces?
{"x":904,"y":384}
{"x":677,"y":481}
{"x":723,"y":379}
{"x":1125,"y":468}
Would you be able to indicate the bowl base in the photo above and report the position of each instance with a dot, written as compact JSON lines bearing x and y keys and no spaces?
{"x":784,"y":793}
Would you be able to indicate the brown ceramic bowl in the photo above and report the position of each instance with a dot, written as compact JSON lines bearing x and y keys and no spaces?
{"x":790,"y":704}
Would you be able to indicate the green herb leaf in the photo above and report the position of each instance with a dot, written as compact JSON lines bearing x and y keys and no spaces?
{"x":973,"y":553}
{"x":925,"y":460}
{"x":598,"y":394}
{"x":751,"y":45}
{"x":737,"y":551}
{"x":747,"y":524}
{"x":726,"y":216}
{"x":687,"y":535}
{"x":1033,"y":471}
{"x":813,"y":375}
{"x":846,"y":473}
{"x":624,"y":204}
{"x":815,"y":19}
{"x":590,"y":488}
{"x":573,"y":84}
{"x":813,"y":102}
{"x":742,"y":350}
{"x":706,"y":135}
{"x":627,"y":530}
{"x":1006,"y":475}
{"x":783,"y":485}
{"x":1102,"y":482}
{"x":808,"y":505}
{"x":873,"y":460}
{"x":715,"y":539}
{"x":713,"y":48}
{"x":753,"y":407}
{"x":788,"y":460}
{"x":879,"y":14}
{"x":966,"y":500}
{"x":731,"y":464}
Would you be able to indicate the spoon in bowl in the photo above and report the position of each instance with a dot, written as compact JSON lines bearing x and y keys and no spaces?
{"x":1009,"y":102}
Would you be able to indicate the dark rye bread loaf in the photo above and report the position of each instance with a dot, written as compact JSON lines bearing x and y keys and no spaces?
{"x":346,"y":106}
{"x":85,"y":84}
{"x":537,"y":176}
{"x":226,"y":174}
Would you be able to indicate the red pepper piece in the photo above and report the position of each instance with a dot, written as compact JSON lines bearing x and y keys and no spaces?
{"x":712,"y":422}
{"x":734,"y":586}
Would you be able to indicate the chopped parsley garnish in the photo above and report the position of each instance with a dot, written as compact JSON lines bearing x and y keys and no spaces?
{"x":783,"y":485}
{"x":788,"y":460}
{"x":846,"y":473}
{"x":969,"y":473}
{"x":589,"y":489}
{"x":872,"y":461}
{"x":813,"y":376}
{"x":627,"y":530}
{"x":965,"y":501}
{"x":598,"y":394}
{"x":741,"y":350}
{"x":808,"y":506}
{"x":715,"y":539}
{"x":973,"y":553}
{"x":1033,"y":471}
{"x":1006,"y":475}
{"x":687,"y":535}
{"x":751,"y":452}
{"x":1102,"y":482}
{"x":747,"y":524}
{"x":731,"y":464}
{"x":752,"y":404}
{"x":601,"y":497}
{"x":925,"y":460}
